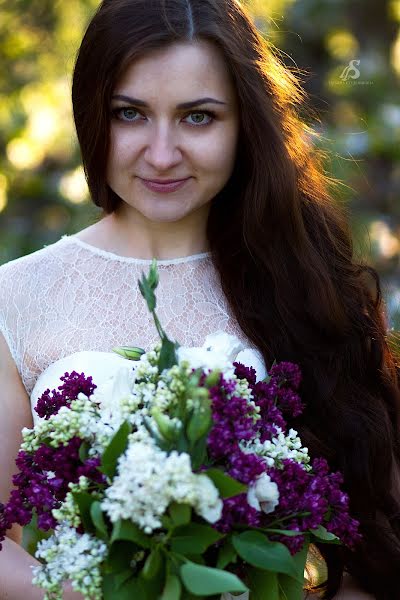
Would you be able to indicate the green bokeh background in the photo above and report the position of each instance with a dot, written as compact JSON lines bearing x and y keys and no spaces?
{"x":42,"y":190}
{"x":43,"y":194}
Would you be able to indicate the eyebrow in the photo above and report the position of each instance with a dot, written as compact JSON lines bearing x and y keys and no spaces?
{"x":183,"y":105}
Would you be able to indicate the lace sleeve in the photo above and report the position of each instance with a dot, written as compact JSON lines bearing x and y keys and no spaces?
{"x":8,"y":312}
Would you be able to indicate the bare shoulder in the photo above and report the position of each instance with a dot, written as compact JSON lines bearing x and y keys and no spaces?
{"x":15,"y":414}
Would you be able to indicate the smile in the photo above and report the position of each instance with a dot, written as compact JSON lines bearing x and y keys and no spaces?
{"x":166,"y":186}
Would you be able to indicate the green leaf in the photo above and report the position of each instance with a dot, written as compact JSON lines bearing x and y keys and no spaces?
{"x":108,"y":587}
{"x":194,"y":538}
{"x":289,"y":588}
{"x":132,"y":588}
{"x":264,"y":584}
{"x":255,"y":548}
{"x":180,"y":514}
{"x":300,"y":559}
{"x":114,"y":587}
{"x":196,"y":558}
{"x":147,"y":293}
{"x":323,"y":535}
{"x":84,"y":451}
{"x":152,"y":565}
{"x":115,"y":448}
{"x":172,"y":589}
{"x":126,"y":530}
{"x":226,"y":485}
{"x":120,"y":556}
{"x":287,"y":532}
{"x":167,"y":358}
{"x":206,"y":581}
{"x":199,"y":453}
{"x":121,"y":578}
{"x":226,"y":555}
{"x":84,"y":502}
{"x":98,"y":520}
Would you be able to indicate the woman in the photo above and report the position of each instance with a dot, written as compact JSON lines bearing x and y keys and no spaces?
{"x":193,"y":147}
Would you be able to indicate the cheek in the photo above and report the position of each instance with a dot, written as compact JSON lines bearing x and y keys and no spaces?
{"x":218,"y":154}
{"x":122,"y":148}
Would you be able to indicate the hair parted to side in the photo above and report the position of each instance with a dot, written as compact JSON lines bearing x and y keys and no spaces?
{"x":283,"y":249}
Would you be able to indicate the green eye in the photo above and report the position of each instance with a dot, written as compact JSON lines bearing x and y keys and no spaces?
{"x":200,"y":118}
{"x":129,"y":113}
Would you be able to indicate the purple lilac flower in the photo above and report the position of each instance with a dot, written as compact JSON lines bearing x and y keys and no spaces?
{"x":232,"y":421}
{"x":265,"y":395}
{"x":41,"y":492}
{"x":243,"y":372}
{"x":309,"y":496}
{"x":245,"y":467}
{"x":306,"y":497}
{"x":289,"y":402}
{"x":236,"y":511}
{"x":74,"y":383}
{"x":340,"y":523}
{"x":286,"y":373}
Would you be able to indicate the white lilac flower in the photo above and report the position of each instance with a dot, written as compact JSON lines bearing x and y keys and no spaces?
{"x":263,"y":494}
{"x":208,"y":505}
{"x":68,"y":512}
{"x":279,"y":448}
{"x":253,"y":358}
{"x":149,"y":480}
{"x":223,"y":343}
{"x":70,"y":556}
{"x":118,"y":388}
{"x":218,"y":352}
{"x":146,"y":366}
{"x":79,"y":420}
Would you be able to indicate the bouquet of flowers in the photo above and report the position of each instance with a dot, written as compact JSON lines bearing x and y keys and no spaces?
{"x":178,"y":478}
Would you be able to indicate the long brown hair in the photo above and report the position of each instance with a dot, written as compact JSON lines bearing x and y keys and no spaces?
{"x":283,"y":249}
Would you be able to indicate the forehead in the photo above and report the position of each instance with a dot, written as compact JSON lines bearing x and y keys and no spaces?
{"x":180,"y":69}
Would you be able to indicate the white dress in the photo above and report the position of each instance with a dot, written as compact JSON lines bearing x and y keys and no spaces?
{"x":65,"y":307}
{"x":71,"y":297}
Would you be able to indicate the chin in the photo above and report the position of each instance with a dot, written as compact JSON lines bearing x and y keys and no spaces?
{"x":167,"y":211}
{"x":172,"y":217}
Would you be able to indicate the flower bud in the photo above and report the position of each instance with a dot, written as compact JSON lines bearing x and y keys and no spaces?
{"x":167,"y":428}
{"x":153,"y":277}
{"x":129,"y":352}
{"x":213,"y":378}
{"x":201,"y":420}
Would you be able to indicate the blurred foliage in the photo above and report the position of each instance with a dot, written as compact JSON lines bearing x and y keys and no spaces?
{"x":347,"y":53}
{"x":42,"y":189}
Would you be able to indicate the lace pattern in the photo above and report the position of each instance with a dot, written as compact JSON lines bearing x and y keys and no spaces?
{"x":70,"y":296}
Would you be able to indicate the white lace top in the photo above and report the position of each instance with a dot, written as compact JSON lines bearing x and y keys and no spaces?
{"x":71,"y":296}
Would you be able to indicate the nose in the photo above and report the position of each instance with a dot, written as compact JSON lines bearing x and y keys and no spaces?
{"x":162,"y":152}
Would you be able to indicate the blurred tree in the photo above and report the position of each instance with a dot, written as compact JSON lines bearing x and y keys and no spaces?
{"x":350,"y":52}
{"x":42,"y":189}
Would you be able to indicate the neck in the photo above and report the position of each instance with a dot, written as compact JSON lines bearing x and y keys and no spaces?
{"x":129,"y":234}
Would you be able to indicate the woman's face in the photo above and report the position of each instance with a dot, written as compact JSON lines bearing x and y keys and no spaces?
{"x":155,"y":137}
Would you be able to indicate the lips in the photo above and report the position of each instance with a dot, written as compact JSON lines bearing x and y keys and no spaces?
{"x":164,"y":185}
{"x":165,"y":181}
